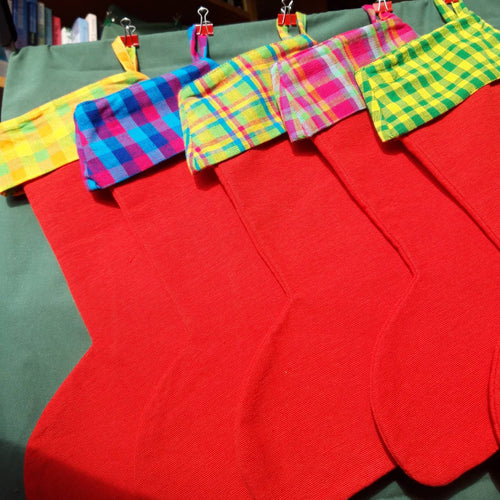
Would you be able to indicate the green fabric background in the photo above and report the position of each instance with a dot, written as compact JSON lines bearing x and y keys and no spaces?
{"x":42,"y":336}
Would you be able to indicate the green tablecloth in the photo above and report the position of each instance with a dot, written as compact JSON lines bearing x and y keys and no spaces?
{"x":42,"y":336}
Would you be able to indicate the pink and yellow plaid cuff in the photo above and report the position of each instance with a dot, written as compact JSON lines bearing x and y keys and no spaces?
{"x":316,"y":88}
{"x":232,"y":108}
{"x":43,"y":139}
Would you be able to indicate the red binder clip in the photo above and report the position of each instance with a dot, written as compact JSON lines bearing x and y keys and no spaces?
{"x":286,"y":18}
{"x":382,"y":6}
{"x":450,"y":1}
{"x":205,"y":27}
{"x":129,"y":40}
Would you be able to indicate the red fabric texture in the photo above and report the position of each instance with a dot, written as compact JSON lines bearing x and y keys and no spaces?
{"x":462,"y":150}
{"x":306,"y":429}
{"x":228,"y":299}
{"x":431,"y":366}
{"x":82,"y":446}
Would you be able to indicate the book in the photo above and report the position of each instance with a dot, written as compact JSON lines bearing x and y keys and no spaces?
{"x":20,"y":17}
{"x":66,"y":36}
{"x":3,"y":66}
{"x":80,"y":31}
{"x":41,"y":23}
{"x":56,"y":30}
{"x":32,"y":21}
{"x":48,"y":26}
{"x":92,"y":26}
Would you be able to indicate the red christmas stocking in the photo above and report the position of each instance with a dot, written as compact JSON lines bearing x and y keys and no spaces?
{"x":306,"y":429}
{"x":461,"y":149}
{"x":228,"y":299}
{"x":83,"y":445}
{"x":429,"y":384}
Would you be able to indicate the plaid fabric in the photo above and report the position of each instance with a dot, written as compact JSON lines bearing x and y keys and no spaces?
{"x":232,"y":108}
{"x":43,"y":139}
{"x":126,"y":55}
{"x":123,"y":134}
{"x":430,"y":75}
{"x":316,"y":87}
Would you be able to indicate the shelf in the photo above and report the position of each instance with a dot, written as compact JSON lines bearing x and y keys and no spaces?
{"x":246,"y":15}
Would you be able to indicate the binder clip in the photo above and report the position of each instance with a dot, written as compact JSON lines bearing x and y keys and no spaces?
{"x":286,"y":18}
{"x":129,"y":40}
{"x":382,"y":6}
{"x":205,"y":28}
{"x":450,"y":1}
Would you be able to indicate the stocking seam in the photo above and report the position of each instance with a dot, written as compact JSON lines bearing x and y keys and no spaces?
{"x":248,"y":380}
{"x":493,"y":389}
{"x":128,"y":219}
{"x":259,"y":246}
{"x":454,"y":191}
{"x":346,"y":180}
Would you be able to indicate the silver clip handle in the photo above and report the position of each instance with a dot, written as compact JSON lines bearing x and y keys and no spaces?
{"x":380,"y":5}
{"x":287,"y":7}
{"x":128,"y":27}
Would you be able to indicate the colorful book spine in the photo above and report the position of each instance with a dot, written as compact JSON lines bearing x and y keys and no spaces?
{"x":32,"y":22}
{"x":66,"y":36}
{"x":3,"y":66}
{"x":36,"y":25}
{"x":20,"y":16}
{"x":92,"y":26}
{"x":41,"y":23}
{"x":80,"y":31}
{"x":48,"y":26}
{"x":56,"y":30}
